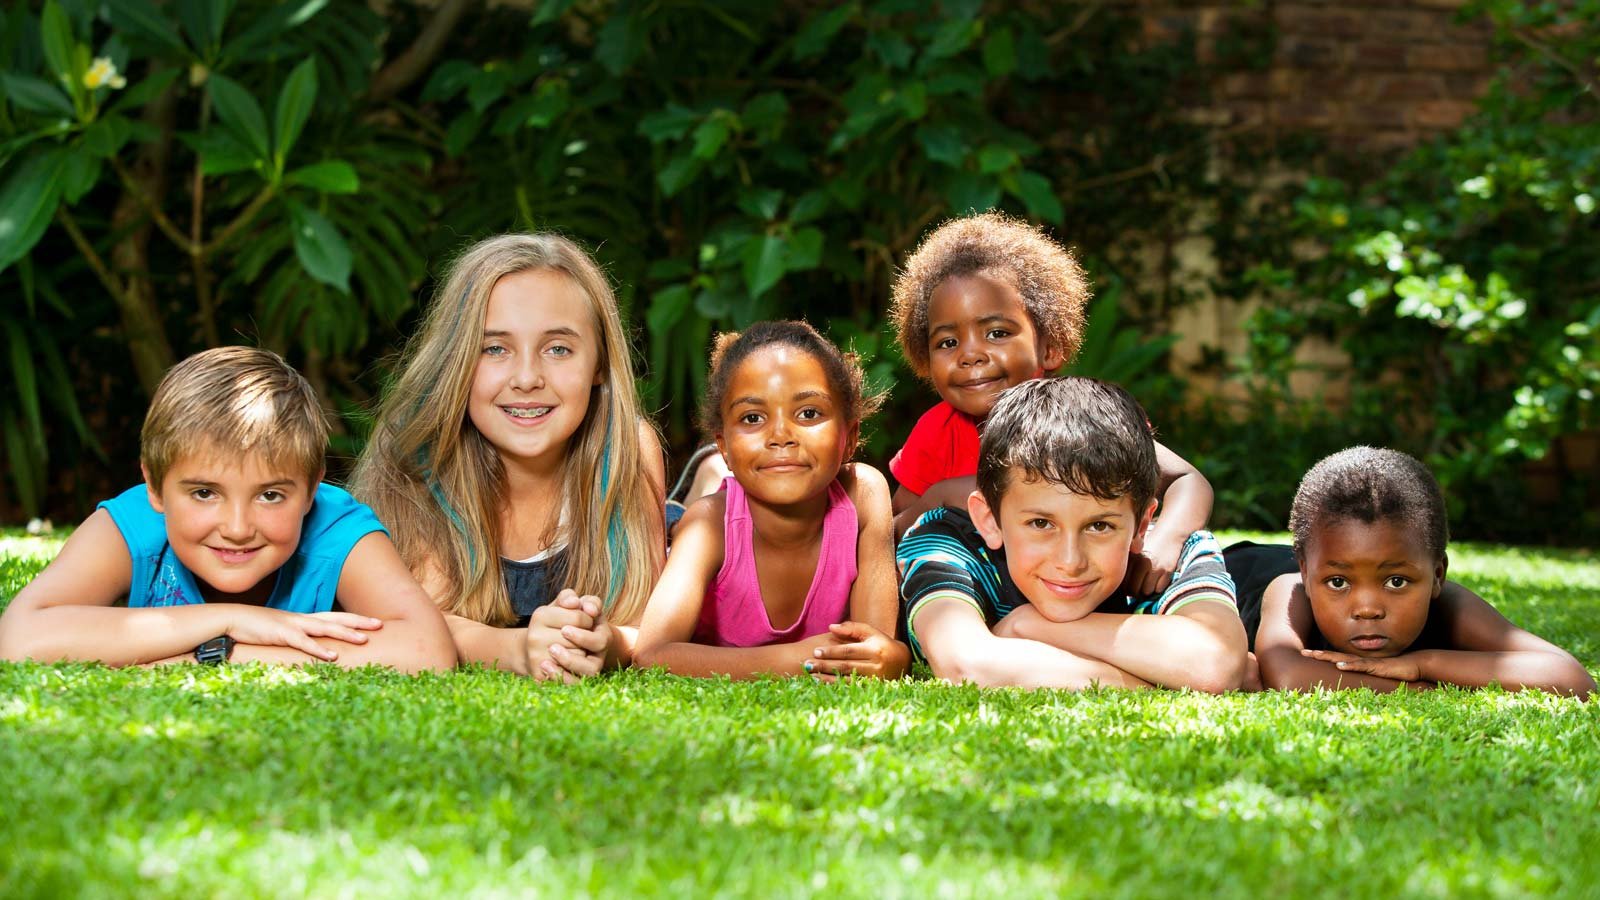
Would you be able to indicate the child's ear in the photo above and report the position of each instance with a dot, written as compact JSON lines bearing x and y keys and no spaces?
{"x":1053,"y":359}
{"x":984,"y":519}
{"x":1439,"y":569}
{"x":153,"y":489}
{"x":1143,"y":527}
{"x":311,"y":494}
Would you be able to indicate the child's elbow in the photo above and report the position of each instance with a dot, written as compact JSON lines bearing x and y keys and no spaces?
{"x":966,"y":668}
{"x":1219,"y":672}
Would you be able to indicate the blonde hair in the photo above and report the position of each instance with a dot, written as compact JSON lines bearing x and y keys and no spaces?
{"x":439,"y":485}
{"x":234,"y":399}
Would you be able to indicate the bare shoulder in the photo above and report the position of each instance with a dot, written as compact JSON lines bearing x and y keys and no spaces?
{"x":864,"y":483}
{"x":649,"y":442}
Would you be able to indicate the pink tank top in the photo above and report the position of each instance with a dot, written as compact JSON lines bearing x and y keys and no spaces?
{"x":734,"y":615}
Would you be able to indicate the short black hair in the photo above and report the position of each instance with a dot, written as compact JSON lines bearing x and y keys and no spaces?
{"x":843,"y":370}
{"x":1369,"y":484}
{"x":1089,"y":436}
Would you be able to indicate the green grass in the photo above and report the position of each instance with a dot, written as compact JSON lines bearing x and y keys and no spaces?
{"x":257,"y":782}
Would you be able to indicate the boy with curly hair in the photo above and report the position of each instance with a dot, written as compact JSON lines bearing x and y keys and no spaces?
{"x":985,"y":303}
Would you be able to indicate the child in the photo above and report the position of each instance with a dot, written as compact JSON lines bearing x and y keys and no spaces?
{"x":986,"y":303}
{"x":1370,"y":606}
{"x":232,"y":548}
{"x":789,"y":569}
{"x":511,"y":460}
{"x":1067,"y":477}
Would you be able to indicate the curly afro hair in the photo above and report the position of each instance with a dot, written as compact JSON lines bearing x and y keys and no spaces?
{"x":843,"y":370}
{"x":1052,"y":284}
{"x":1368,"y":484}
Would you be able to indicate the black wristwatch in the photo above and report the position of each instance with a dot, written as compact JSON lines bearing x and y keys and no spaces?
{"x":214,"y":652}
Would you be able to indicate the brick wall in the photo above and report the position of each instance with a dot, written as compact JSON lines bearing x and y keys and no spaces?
{"x":1366,"y":75}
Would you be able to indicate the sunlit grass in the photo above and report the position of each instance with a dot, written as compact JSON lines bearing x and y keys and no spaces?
{"x":246,"y":781}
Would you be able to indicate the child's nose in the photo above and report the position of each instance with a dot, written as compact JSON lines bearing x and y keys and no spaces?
{"x":527,"y":375}
{"x":237,"y":525}
{"x":1366,"y":607}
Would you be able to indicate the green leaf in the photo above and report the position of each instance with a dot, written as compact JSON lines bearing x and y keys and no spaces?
{"x":996,"y":158}
{"x":811,"y":205}
{"x":942,"y":143}
{"x":677,"y":174}
{"x":140,"y":19}
{"x":551,"y":10}
{"x":762,"y":203}
{"x":667,"y":307}
{"x":55,"y":34}
{"x":671,"y":123}
{"x":27,"y":202}
{"x":271,"y":27}
{"x":969,"y":192}
{"x":223,"y":154}
{"x":952,"y":38}
{"x":619,"y":40}
{"x":711,"y":136}
{"x":766,"y":114}
{"x":1039,"y":196}
{"x":144,"y":91}
{"x":461,"y":132}
{"x":295,"y":100}
{"x":893,"y":49}
{"x":818,"y":31}
{"x":25,"y":386}
{"x":333,"y":176}
{"x":106,"y":137}
{"x":320,"y":247}
{"x":805,"y":250}
{"x":203,"y":21}
{"x":240,"y":111}
{"x":79,"y":172}
{"x":36,"y":95}
{"x":764,"y":263}
{"x":1000,"y":53}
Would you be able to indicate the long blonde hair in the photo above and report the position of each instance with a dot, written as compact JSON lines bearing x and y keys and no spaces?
{"x":439,"y":485}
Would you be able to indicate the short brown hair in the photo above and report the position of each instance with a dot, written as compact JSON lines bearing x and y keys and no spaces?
{"x":1044,"y":273}
{"x":234,"y":400}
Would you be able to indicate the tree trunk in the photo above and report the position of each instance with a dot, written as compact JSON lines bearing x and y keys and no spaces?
{"x":142,"y":323}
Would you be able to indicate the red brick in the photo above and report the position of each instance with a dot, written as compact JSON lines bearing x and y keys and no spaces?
{"x":1410,"y":87}
{"x":1379,"y":56}
{"x":1309,"y":53}
{"x":1300,"y":20}
{"x":1379,"y":115}
{"x":1306,"y":114}
{"x":1448,"y":57}
{"x":1441,"y":113}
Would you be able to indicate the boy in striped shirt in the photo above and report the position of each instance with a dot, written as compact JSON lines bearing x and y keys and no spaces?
{"x":1025,"y":587}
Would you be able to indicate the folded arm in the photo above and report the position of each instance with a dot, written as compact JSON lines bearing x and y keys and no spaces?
{"x":1200,"y":646}
{"x":1286,"y":626}
{"x":960,"y":648}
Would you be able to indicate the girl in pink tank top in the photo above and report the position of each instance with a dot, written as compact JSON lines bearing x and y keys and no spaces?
{"x":789,"y":569}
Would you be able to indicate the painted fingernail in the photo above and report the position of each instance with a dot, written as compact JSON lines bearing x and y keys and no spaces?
{"x":807,"y":665}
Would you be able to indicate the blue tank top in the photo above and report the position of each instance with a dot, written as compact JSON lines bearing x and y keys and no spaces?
{"x":305,"y":584}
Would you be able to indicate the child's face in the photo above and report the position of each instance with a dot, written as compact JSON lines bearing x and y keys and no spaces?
{"x":784,"y":435}
{"x":1370,"y":586}
{"x":232,"y":519}
{"x":1066,"y":552}
{"x":537,"y":365}
{"x":981,"y":340}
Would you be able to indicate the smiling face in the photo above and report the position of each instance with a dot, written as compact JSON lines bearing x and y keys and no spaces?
{"x":232,"y":519}
{"x":1370,"y":585}
{"x":981,"y":340}
{"x":1066,"y":552}
{"x":537,"y":366}
{"x":783,"y":435}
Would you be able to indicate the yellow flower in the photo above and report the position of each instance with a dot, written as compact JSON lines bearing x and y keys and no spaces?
{"x":103,"y":73}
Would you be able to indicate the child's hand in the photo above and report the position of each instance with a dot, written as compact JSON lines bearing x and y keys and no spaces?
{"x":276,"y":628}
{"x":1399,"y":668}
{"x":587,"y":650}
{"x":1014,"y":622}
{"x":860,"y":650}
{"x":544,"y":645}
{"x":1150,"y":570}
{"x":1252,"y":675}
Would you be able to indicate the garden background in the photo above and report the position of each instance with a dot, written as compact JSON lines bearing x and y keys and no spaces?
{"x":1309,"y":224}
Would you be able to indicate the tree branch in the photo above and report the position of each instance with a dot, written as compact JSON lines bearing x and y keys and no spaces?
{"x":101,"y":270}
{"x":167,"y":226}
{"x":239,"y":221}
{"x":418,"y":58}
{"x":1550,"y":53}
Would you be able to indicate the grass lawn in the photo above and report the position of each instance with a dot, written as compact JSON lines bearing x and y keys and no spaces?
{"x":247,"y":781}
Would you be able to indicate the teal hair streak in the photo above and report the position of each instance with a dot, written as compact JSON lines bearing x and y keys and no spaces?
{"x":614,"y":522}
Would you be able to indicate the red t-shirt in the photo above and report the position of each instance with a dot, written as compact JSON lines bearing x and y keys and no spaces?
{"x":943,"y":444}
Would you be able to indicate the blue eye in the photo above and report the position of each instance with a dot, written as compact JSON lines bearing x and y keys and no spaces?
{"x":495,"y":350}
